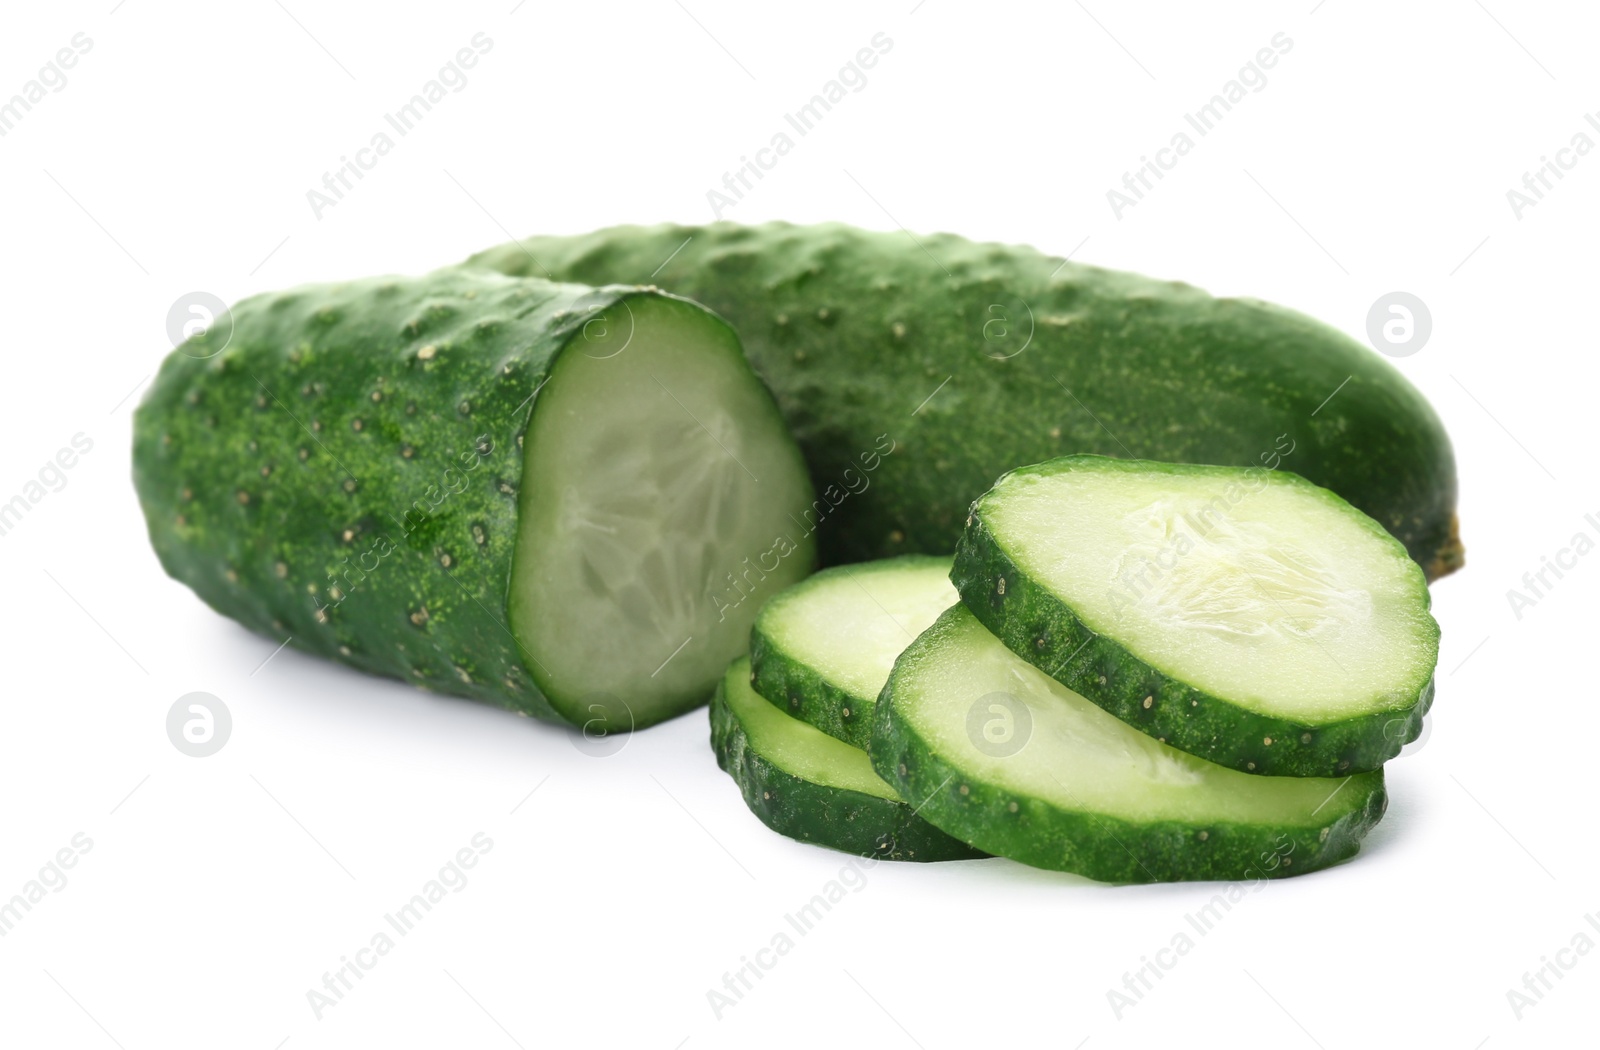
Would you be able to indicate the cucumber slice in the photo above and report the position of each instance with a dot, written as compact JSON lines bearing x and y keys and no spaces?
{"x":822,"y":649}
{"x":804,"y":784}
{"x":529,"y":493}
{"x":1245,"y":616}
{"x":1013,"y":762}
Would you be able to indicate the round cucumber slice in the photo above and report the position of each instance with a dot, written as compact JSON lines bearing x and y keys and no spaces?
{"x":1008,"y":759}
{"x":804,"y":784}
{"x":1245,"y":616}
{"x":658,"y":488}
{"x":822,"y":649}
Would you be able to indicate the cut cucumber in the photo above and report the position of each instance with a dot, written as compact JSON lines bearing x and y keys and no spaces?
{"x":822,"y":649}
{"x":974,"y":358}
{"x":545,"y":496}
{"x":804,"y":784}
{"x":1008,"y":759}
{"x":1245,"y":616}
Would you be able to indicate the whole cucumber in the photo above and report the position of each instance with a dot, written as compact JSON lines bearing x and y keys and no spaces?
{"x":977,"y":358}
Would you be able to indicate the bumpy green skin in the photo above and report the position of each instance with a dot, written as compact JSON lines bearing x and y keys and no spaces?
{"x":344,"y":471}
{"x":1044,"y":835}
{"x":1042,"y":629}
{"x":855,"y":330}
{"x":809,"y":812}
{"x":802,"y":691}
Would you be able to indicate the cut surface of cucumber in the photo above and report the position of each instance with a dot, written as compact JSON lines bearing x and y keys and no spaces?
{"x":823,"y":648}
{"x":1008,"y":759}
{"x":805,"y":784}
{"x":1246,"y":616}
{"x":651,"y":474}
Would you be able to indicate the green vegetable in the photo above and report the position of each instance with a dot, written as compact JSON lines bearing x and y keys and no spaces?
{"x":804,"y":784}
{"x":1245,"y":616}
{"x":1008,"y":759}
{"x":975,"y":358}
{"x":528,"y":493}
{"x":822,"y":649}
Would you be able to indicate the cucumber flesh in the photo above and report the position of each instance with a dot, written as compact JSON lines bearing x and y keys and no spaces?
{"x":805,"y":784}
{"x":823,"y":649}
{"x":1070,"y":787}
{"x":655,"y":464}
{"x":1247,"y":616}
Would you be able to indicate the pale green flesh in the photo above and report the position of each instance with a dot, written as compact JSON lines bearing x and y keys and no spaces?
{"x":655,"y":465}
{"x":1265,"y":593}
{"x":1074,"y":755}
{"x":796,"y":748}
{"x":850,"y":625}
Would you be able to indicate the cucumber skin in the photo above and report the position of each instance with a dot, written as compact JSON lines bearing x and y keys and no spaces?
{"x":849,"y":821}
{"x":804,"y":693}
{"x":853,"y":330}
{"x":1109,"y":849}
{"x":207,"y":428}
{"x":1037,"y":626}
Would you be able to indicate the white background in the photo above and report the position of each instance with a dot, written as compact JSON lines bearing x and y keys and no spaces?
{"x":218,"y":891}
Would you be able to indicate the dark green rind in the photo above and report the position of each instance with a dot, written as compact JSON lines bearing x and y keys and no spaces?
{"x":1110,"y":849}
{"x":261,"y":495}
{"x":1042,"y":629}
{"x":802,"y":691}
{"x":849,"y":821}
{"x":854,"y":331}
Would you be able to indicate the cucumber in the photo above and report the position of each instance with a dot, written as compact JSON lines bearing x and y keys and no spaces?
{"x":975,"y":358}
{"x":1066,"y":786}
{"x":1244,"y":616}
{"x":804,"y":784}
{"x":822,"y":649}
{"x":534,"y":494}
